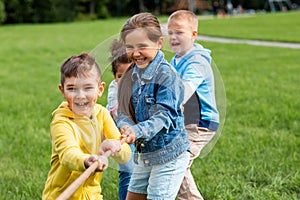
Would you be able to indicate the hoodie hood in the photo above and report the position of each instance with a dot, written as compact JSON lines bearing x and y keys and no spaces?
{"x":85,"y":129}
{"x":198,"y":49}
{"x":63,"y":110}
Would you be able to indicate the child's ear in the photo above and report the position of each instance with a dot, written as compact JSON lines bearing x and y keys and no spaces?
{"x":61,"y":88}
{"x":194,"y":35}
{"x":160,"y":42}
{"x":101,"y":88}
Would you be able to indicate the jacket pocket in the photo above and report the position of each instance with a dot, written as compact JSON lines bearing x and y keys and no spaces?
{"x":149,"y":99}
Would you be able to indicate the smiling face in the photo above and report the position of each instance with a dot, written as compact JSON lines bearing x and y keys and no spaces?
{"x":82,"y":92}
{"x":140,"y":49}
{"x":181,"y":36}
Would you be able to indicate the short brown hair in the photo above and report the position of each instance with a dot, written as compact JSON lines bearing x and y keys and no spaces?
{"x":78,"y":65}
{"x":145,"y":21}
{"x":186,"y":15}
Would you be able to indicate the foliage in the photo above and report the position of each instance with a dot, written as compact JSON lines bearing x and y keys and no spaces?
{"x":37,"y":11}
{"x":102,"y":11}
{"x":2,"y":12}
{"x":18,"y":11}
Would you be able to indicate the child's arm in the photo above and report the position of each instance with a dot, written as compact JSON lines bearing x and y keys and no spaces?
{"x":112,"y":91}
{"x":112,"y":133}
{"x":164,"y":110}
{"x":113,"y":146}
{"x":112,"y":99}
{"x":92,"y":164}
{"x":118,"y":150}
{"x":65,"y":144}
{"x":194,"y":75}
{"x":110,"y":145}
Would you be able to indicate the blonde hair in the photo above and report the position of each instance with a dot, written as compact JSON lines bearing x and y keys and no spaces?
{"x":187,"y":15}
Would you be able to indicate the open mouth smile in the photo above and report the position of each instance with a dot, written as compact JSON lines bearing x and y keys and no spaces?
{"x":140,"y":61}
{"x":175,"y":44}
{"x":81,"y":104}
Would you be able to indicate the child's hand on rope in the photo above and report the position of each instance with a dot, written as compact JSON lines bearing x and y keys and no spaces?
{"x":113,"y":146}
{"x":103,"y":162}
{"x":128,"y":133}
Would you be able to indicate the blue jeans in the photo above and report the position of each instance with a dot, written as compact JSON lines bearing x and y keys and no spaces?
{"x":125,"y":172}
{"x":159,"y":182}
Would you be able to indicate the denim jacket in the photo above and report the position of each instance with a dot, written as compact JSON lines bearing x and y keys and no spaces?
{"x":157,"y":94}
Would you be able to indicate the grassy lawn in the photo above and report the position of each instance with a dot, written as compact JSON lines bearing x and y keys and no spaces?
{"x":257,"y":155}
{"x":283,"y":27}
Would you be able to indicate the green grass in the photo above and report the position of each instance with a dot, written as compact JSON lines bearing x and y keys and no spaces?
{"x":256,"y":157}
{"x":283,"y":27}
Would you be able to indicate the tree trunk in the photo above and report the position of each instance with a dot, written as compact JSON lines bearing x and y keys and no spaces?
{"x":92,"y":7}
{"x":141,"y":5}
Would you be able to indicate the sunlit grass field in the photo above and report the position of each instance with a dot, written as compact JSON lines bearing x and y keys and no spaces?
{"x":273,"y":27}
{"x":258,"y":153}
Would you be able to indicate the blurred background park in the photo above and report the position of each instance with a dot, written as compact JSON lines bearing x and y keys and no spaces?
{"x":257,"y":155}
{"x":37,"y":11}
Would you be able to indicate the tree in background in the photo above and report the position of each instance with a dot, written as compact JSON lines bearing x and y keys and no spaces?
{"x":2,"y":12}
{"x":45,"y":11}
{"x":18,"y":11}
{"x":62,"y":11}
{"x":92,"y":9}
{"x":102,"y":9}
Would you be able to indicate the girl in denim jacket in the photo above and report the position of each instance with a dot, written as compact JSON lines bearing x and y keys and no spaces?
{"x":150,"y":115}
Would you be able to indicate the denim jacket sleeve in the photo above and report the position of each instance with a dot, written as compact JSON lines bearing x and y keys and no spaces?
{"x":160,"y":110}
{"x":123,"y":119}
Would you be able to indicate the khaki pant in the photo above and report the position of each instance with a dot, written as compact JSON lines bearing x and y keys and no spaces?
{"x":198,"y":138}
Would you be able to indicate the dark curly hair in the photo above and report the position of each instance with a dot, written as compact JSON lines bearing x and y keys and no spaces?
{"x":118,"y":55}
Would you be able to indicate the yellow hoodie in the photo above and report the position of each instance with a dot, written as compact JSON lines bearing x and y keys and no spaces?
{"x":74,"y":139}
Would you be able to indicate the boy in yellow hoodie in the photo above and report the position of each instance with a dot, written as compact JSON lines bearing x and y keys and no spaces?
{"x":81,"y":131}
